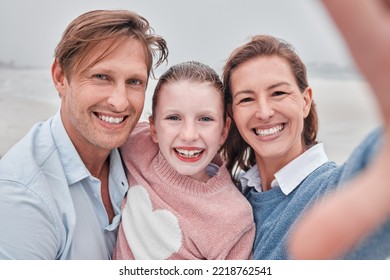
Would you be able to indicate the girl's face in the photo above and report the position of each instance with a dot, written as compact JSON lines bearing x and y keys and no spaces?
{"x":189,"y":126}
{"x":269,"y":109}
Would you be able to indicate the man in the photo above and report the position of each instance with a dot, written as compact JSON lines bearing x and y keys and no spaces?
{"x":62,"y":185}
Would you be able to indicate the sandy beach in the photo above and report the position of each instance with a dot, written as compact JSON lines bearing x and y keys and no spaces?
{"x":345,"y":107}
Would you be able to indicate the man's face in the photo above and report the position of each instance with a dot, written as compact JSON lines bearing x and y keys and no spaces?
{"x":101,"y":105}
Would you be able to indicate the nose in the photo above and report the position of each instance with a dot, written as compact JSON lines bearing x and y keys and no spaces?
{"x":189,"y":131}
{"x":118,"y":98}
{"x":264,"y":109}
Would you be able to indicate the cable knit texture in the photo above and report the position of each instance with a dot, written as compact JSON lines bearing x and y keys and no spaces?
{"x":170,"y":216}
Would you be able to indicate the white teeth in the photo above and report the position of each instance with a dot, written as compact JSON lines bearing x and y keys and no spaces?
{"x":269,"y":131}
{"x":189,"y":153}
{"x":111,"y":120}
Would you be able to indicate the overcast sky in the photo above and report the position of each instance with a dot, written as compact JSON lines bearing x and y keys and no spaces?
{"x":204,"y":30}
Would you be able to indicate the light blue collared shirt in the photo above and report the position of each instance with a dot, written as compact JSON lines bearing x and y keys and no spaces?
{"x":50,"y":204}
{"x":291,"y":175}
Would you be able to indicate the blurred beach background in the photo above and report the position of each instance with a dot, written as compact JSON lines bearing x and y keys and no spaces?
{"x":195,"y":30}
{"x":345,"y":107}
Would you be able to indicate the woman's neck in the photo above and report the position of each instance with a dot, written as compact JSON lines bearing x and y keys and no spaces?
{"x":267,"y":174}
{"x":269,"y":166}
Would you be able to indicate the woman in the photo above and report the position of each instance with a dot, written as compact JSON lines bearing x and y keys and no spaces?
{"x":273,"y":140}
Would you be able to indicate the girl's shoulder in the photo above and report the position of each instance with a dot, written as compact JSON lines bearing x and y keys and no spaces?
{"x":139,"y":141}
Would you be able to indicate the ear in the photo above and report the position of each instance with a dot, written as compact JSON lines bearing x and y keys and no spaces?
{"x":153,"y":131}
{"x":225,"y":131}
{"x":58,"y":77}
{"x":307,"y":99}
{"x":230,"y":110}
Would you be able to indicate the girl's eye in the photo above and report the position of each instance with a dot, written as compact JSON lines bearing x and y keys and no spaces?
{"x":173,"y":118}
{"x":206,"y":119}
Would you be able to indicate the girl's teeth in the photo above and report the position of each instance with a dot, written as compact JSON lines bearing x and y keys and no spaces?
{"x":269,"y":131}
{"x":188,"y":153}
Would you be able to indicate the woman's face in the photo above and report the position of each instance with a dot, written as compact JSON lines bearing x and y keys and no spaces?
{"x":269,"y":109}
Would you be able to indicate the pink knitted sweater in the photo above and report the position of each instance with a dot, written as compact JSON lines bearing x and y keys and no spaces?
{"x":166,"y":215}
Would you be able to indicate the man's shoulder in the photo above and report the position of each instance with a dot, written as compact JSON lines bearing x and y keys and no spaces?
{"x":29,"y":156}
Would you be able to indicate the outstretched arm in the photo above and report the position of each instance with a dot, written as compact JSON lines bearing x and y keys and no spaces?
{"x":327,"y":231}
{"x":365,"y":26}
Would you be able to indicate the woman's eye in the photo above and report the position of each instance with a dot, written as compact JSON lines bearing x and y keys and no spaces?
{"x":245,"y":100}
{"x":278,"y":93}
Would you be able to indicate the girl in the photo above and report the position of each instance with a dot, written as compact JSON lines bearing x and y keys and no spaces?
{"x":181,"y":203}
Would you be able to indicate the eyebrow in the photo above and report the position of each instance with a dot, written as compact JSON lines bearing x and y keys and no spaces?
{"x":245,"y":91}
{"x":278,"y":84}
{"x":105,"y":70}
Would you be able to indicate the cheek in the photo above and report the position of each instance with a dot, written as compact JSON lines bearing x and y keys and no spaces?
{"x":82,"y":94}
{"x":240,"y":117}
{"x":164,"y":135}
{"x":137,"y":101}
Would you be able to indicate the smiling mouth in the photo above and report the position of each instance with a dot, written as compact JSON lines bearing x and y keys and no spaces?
{"x":110,"y":120}
{"x":189,"y":154}
{"x":269,"y":131}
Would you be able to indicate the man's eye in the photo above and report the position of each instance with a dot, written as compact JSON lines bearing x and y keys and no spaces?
{"x":101,"y":76}
{"x":134,"y":82}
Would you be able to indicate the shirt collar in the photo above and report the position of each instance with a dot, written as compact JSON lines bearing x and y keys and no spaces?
{"x":292,"y":174}
{"x":251,"y":178}
{"x":74,"y":168}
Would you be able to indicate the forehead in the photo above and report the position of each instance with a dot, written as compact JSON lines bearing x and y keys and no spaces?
{"x":263,"y":64}
{"x":121,"y":48}
{"x":191,"y":88}
{"x":262,"y":69}
{"x":191,"y":93}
